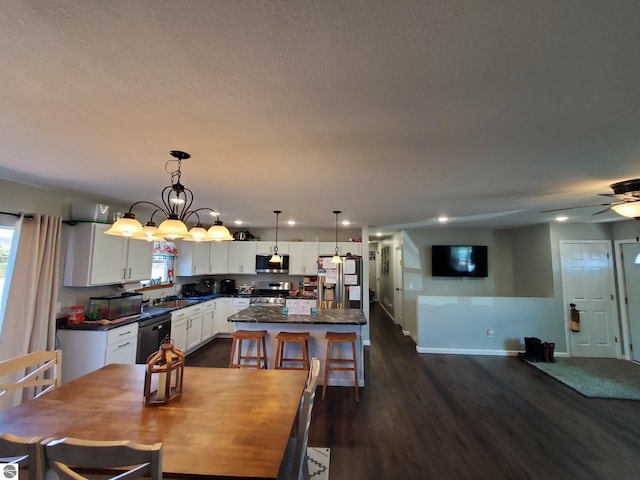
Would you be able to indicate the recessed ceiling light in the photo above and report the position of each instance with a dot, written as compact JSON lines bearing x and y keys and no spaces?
{"x":238,"y":222}
{"x":345,"y":222}
{"x":291,"y":222}
{"x":562,"y":218}
{"x":443,"y":219}
{"x":378,"y":234}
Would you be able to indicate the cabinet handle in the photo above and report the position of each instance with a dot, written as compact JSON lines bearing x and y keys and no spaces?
{"x":125,"y":333}
{"x":194,"y":270}
{"x":124,"y":345}
{"x":129,"y":272}
{"x":124,"y":273}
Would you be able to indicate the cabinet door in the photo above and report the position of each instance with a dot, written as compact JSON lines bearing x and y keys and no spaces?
{"x":179,"y":323}
{"x":242,"y":257}
{"x":303,"y":258}
{"x":269,"y":247}
{"x":219,"y":251}
{"x":208,"y":316}
{"x":224,"y":309}
{"x":194,"y":328}
{"x":139,"y":260}
{"x":193,"y":258}
{"x":354,"y":248}
{"x":108,"y":254}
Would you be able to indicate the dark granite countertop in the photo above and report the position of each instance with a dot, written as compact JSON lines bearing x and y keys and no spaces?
{"x":147,"y":314}
{"x":333,"y":316}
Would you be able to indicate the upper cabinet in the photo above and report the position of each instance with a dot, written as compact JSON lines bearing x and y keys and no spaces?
{"x":269,"y":247}
{"x":242,"y":257}
{"x":193,"y":258}
{"x":303,"y":258}
{"x":219,"y":251}
{"x":329,"y":248}
{"x":94,"y":258}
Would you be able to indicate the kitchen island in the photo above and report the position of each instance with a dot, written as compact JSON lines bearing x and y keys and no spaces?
{"x":274,"y":321}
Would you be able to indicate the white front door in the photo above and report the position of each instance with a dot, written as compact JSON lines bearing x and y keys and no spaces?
{"x":398,"y":292}
{"x":631,"y":265}
{"x":587,"y":278}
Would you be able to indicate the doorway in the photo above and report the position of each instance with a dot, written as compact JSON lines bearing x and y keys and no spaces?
{"x":398,"y":288}
{"x":630,"y":288}
{"x":588,"y":282}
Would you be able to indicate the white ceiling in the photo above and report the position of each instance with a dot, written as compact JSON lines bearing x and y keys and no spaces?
{"x":394,"y":112}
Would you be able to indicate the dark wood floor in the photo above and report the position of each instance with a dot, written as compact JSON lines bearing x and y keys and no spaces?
{"x":463,"y":417}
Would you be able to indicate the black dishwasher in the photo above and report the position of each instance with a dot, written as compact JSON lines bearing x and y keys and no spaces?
{"x":151,"y":332}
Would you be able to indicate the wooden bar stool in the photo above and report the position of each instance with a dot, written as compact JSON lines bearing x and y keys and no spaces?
{"x":335,"y":337}
{"x":292,"y":337}
{"x":236,"y":361}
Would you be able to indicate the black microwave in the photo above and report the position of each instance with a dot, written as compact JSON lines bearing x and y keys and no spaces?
{"x":263,"y":264}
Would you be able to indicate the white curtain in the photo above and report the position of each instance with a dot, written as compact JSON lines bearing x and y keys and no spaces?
{"x":30,"y":311}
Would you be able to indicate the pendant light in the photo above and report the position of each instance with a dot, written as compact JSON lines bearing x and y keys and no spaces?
{"x":336,"y":257}
{"x":275,"y":258}
{"x":176,"y":204}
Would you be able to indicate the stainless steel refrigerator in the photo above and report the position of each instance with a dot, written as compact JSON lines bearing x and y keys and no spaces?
{"x":340,"y":284}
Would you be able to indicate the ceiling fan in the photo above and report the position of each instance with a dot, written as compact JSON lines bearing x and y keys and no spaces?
{"x":627,"y":204}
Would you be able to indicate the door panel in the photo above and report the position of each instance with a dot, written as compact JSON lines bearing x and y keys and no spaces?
{"x":587,"y":272}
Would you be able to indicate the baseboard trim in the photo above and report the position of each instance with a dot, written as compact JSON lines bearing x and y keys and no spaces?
{"x":461,"y":351}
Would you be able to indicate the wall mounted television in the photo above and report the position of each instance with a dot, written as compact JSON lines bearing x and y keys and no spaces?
{"x":459,"y":261}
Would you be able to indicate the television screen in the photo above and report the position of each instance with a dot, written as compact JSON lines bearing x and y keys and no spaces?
{"x":459,"y":260}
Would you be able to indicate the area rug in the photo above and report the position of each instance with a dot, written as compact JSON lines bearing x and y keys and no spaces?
{"x":596,"y":377}
{"x":318,"y":463}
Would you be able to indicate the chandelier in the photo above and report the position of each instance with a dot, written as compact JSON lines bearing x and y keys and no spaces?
{"x":176,"y":204}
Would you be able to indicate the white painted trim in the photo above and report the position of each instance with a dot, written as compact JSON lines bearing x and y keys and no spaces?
{"x":495,"y":353}
{"x":406,"y":333}
{"x":622,"y":294}
{"x":366,"y":343}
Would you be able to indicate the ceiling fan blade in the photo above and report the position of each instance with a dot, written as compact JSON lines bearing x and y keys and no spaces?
{"x":602,"y":211}
{"x":619,"y":196}
{"x":579,"y":206}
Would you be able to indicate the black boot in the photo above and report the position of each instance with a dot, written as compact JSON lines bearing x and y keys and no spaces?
{"x":537,"y":349}
{"x":529,"y":353}
{"x":545,"y":352}
{"x":552,"y":347}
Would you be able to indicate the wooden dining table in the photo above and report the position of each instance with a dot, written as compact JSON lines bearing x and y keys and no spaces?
{"x":228,"y":423}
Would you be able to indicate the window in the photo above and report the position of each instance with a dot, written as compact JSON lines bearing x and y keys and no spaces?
{"x":6,"y":253}
{"x":164,"y":254}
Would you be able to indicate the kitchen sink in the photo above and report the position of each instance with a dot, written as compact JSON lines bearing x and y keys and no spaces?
{"x":179,"y":303}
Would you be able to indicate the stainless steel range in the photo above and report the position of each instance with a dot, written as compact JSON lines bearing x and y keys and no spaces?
{"x":270,"y":294}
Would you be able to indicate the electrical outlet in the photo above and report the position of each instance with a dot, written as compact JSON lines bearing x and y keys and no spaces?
{"x":489,"y":332}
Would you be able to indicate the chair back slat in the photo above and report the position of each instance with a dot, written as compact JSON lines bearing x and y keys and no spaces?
{"x":26,"y":452}
{"x":67,"y":457}
{"x":36,"y":372}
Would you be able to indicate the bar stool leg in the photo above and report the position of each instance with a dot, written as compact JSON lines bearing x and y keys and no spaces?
{"x":355,"y":370}
{"x":264,"y":349}
{"x":326,"y":370}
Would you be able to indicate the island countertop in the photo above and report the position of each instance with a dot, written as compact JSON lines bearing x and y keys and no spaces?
{"x":331,"y":316}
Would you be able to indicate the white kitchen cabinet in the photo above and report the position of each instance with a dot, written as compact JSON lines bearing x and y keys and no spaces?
{"x":94,"y":258}
{"x":85,"y":351}
{"x":224,"y":309}
{"x":303,"y":258}
{"x":208,"y":319}
{"x":179,"y":327}
{"x":186,"y":328}
{"x":218,"y":254}
{"x":193,"y":258}
{"x":242,"y":257}
{"x":264,"y":247}
{"x":329,"y":248}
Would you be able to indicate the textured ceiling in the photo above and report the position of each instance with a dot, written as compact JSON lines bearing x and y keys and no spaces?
{"x":394,"y":112}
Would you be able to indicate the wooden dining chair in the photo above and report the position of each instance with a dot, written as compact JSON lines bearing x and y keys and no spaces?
{"x":67,"y":457}
{"x":26,"y":452}
{"x":36,"y":373}
{"x":294,"y":465}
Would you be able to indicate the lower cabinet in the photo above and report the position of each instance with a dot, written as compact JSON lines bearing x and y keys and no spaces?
{"x":208,"y":319}
{"x":186,"y":328}
{"x":85,"y":351}
{"x":224,"y":309}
